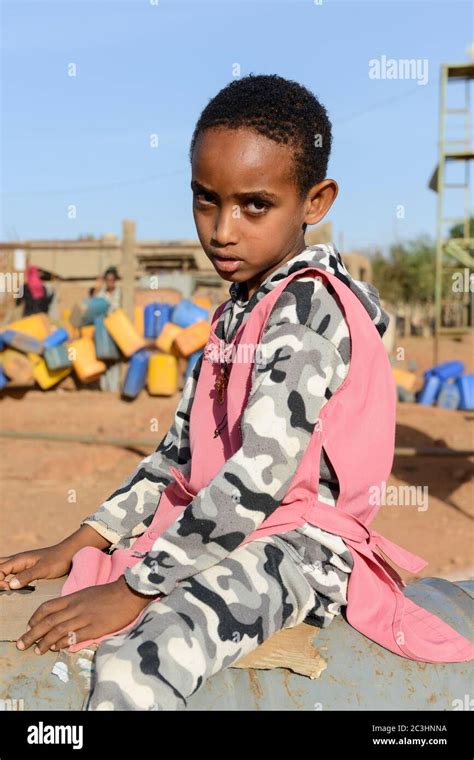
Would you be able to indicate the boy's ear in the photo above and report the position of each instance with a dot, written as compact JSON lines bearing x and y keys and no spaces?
{"x":319,"y":200}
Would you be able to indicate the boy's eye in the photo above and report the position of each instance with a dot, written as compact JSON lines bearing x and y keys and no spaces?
{"x":203,"y":197}
{"x":255,"y":206}
{"x":259,"y":206}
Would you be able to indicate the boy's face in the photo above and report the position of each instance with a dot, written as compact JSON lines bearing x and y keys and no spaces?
{"x":110,"y":281}
{"x":246,"y":205}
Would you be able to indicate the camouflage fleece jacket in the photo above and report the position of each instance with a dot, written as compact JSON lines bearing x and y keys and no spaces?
{"x":307,"y":319}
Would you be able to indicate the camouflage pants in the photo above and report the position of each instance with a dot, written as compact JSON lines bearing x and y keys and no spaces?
{"x":207,"y":623}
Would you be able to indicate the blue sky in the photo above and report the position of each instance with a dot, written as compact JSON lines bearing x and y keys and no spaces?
{"x":144,"y":68}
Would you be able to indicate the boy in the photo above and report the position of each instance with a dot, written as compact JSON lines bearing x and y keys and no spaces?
{"x":217,"y":544}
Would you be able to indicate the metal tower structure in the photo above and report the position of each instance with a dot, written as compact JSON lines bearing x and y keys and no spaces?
{"x":454,"y":300}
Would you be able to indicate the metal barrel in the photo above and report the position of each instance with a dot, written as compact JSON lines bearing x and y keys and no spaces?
{"x":358,"y":674}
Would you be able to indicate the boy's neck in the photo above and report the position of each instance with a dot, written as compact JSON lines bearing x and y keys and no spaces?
{"x":250,"y":287}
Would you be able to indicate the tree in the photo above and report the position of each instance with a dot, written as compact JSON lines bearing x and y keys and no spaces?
{"x":407,"y":276}
{"x":457,"y":231}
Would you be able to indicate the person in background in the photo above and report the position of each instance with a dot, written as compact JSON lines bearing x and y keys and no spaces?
{"x":35,"y":297}
{"x":110,"y":289}
{"x":112,"y":292}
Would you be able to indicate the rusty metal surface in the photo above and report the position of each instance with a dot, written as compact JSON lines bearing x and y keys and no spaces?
{"x":27,"y":682}
{"x":360,"y":675}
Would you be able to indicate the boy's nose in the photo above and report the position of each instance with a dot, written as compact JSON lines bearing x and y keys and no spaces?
{"x":226,"y":228}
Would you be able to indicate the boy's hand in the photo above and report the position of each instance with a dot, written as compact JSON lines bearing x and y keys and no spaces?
{"x":51,"y":562}
{"x":87,"y":614}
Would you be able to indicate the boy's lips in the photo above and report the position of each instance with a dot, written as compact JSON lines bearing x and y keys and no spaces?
{"x":226,"y":263}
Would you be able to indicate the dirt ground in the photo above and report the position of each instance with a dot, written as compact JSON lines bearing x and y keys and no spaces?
{"x":47,"y":486}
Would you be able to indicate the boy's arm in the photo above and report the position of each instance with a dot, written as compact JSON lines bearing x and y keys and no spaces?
{"x":130,"y":509}
{"x":300,"y":369}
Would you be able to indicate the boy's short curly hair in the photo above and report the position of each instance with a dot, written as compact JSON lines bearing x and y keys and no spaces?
{"x":282,"y":110}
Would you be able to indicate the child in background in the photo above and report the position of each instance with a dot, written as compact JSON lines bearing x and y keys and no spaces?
{"x":112,"y":292}
{"x":252,"y":515}
{"x":36,"y":298}
{"x":110,"y":289}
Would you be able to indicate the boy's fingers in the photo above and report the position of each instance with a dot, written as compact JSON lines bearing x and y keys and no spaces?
{"x":13,"y":565}
{"x":63,"y":631}
{"x":58,"y":622}
{"x":73,"y":637}
{"x":22,"y":579}
{"x":8,"y":567}
{"x":50,"y":609}
{"x":64,"y":643}
{"x":35,"y":634}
